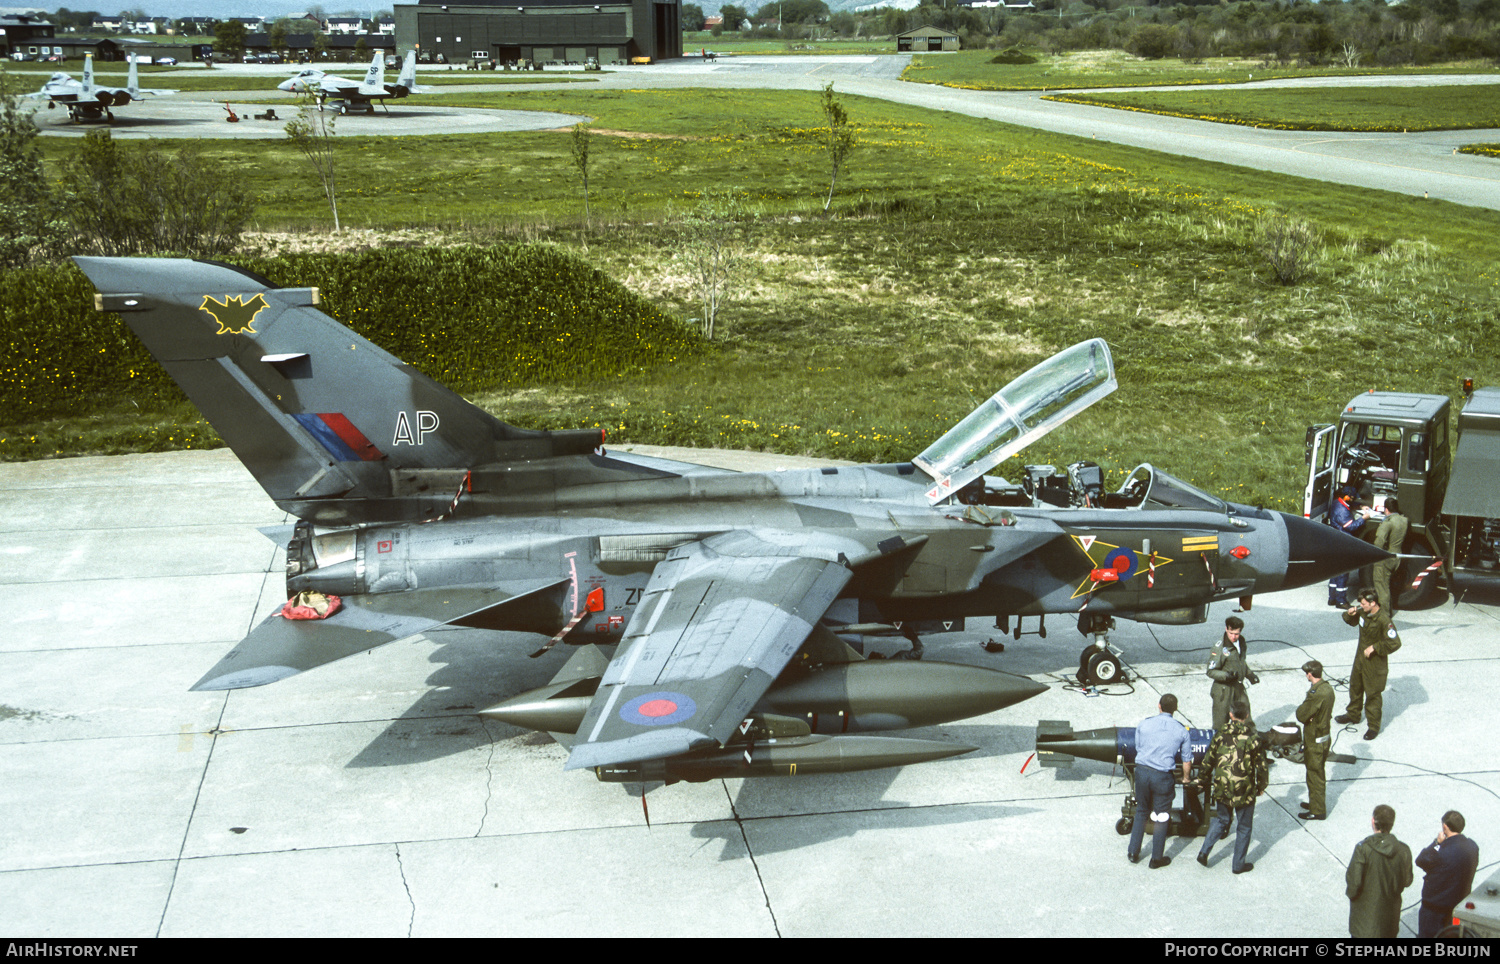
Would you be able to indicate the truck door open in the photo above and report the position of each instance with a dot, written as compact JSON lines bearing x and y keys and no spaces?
{"x":1318,"y":492}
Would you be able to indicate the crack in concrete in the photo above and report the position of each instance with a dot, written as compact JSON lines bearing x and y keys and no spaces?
{"x":753,"y":863}
{"x":411,"y":922}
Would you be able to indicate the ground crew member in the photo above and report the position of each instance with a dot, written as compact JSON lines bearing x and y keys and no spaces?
{"x":1377,"y":640}
{"x":1342,"y":515}
{"x":1378,"y":872}
{"x":1228,"y":669}
{"x":1449,"y":862}
{"x":1391,"y":536}
{"x":1237,"y":759}
{"x":1315,"y":715}
{"x":1160,"y":741}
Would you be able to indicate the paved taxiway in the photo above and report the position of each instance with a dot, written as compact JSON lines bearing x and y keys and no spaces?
{"x":365,"y":798}
{"x":1424,"y":164}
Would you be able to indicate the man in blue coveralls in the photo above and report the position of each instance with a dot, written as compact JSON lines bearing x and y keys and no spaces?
{"x":1160,"y":742}
{"x":1346,"y":518}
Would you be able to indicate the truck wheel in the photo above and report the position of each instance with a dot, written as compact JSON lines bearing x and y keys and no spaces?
{"x":1424,"y":595}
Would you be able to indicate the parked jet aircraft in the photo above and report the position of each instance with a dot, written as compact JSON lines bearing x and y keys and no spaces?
{"x":87,"y":101}
{"x":730,"y":595}
{"x":347,"y":95}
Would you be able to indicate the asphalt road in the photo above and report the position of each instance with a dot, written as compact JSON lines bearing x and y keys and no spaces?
{"x":1424,"y":164}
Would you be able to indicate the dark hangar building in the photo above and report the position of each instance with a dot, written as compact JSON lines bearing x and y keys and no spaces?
{"x":541,"y":31}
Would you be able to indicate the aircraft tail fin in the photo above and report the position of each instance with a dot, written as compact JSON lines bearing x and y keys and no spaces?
{"x":88,"y":73}
{"x":408,"y":76}
{"x":375,"y":76}
{"x":333,"y":427}
{"x":132,"y":75}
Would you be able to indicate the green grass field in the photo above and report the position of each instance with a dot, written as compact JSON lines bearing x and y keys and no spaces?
{"x":959,"y":253}
{"x":1320,"y":109}
{"x":971,"y":69}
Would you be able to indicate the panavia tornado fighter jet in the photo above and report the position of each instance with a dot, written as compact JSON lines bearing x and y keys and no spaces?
{"x":86,"y":100}
{"x":712,"y":610}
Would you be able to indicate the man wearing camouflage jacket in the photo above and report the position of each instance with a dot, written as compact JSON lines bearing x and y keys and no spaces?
{"x":1237,"y":758}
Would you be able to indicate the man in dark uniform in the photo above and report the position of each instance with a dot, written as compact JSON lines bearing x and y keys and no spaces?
{"x":1390,"y":536}
{"x":1229,"y":671}
{"x":1314,"y":714}
{"x":1377,"y":640}
{"x":1378,"y":872}
{"x":1450,"y":862}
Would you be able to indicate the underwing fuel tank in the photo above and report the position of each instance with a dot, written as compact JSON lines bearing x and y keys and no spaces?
{"x":846,"y":698}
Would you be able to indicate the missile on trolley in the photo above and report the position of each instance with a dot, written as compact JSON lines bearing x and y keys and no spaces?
{"x":1058,"y":744}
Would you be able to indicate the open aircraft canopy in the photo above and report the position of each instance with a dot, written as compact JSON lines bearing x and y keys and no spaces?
{"x":1019,"y":414}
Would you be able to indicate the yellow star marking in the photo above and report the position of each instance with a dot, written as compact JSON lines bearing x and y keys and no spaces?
{"x":234,"y":314}
{"x":1096,"y":553}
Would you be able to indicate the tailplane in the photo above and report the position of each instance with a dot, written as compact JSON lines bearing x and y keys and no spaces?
{"x":333,"y":427}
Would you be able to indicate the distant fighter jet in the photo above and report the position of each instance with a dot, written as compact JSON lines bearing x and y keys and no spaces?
{"x":347,"y":95}
{"x":729,"y":599}
{"x":87,"y":101}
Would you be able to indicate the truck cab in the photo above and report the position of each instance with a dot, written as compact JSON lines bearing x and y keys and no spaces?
{"x":1397,"y":444}
{"x":1385,"y":444}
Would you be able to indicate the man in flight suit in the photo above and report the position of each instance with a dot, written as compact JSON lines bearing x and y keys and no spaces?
{"x":1390,"y":536}
{"x":1377,"y":640}
{"x":1229,"y":671}
{"x":1314,"y":714}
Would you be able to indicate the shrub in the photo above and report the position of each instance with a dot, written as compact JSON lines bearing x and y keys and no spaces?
{"x":1291,"y":247}
{"x":143,"y":200}
{"x":1012,"y":56}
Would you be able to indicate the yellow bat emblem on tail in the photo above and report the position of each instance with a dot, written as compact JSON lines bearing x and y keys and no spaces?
{"x":234,"y":314}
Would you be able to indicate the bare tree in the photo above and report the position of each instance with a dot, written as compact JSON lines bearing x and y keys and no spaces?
{"x":841,"y":141}
{"x":312,"y":132}
{"x":1349,"y":56}
{"x":1291,"y":247}
{"x":710,"y":239}
{"x":581,"y":161}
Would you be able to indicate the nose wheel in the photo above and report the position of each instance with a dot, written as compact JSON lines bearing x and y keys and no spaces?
{"x":1099,"y":664}
{"x":1099,"y":667}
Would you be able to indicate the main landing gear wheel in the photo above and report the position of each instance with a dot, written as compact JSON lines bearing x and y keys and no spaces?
{"x":1122,"y":827}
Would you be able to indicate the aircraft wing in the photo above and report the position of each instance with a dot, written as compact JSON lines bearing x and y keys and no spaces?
{"x":718,"y":622}
{"x":279,"y":648}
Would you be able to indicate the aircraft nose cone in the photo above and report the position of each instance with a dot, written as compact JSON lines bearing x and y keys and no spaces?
{"x":1318,"y":552}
